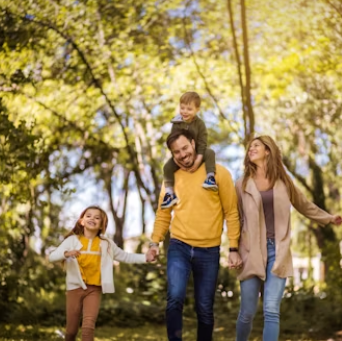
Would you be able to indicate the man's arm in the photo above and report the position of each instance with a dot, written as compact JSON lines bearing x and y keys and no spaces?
{"x":228,"y":199}
{"x":162,"y":221}
{"x":161,"y":226}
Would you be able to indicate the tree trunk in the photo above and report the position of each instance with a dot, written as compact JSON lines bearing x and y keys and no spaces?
{"x":244,"y":79}
{"x":248,"y":95}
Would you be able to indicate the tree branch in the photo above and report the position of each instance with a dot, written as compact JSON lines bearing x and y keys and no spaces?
{"x":206,"y":84}
{"x":248,"y":102}
{"x":70,"y":123}
{"x":300,"y":178}
{"x":238,"y":64}
{"x":98,"y":85}
{"x":334,"y":7}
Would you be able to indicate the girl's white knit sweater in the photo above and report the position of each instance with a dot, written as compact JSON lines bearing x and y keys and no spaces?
{"x":109,"y":252}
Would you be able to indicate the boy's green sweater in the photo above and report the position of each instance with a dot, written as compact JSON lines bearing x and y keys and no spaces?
{"x":196,"y":127}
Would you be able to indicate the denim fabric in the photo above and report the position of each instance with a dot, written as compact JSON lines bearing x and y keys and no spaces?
{"x":273,"y":292}
{"x":182,"y":259}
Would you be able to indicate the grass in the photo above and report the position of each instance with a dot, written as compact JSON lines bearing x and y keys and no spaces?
{"x":148,"y":332}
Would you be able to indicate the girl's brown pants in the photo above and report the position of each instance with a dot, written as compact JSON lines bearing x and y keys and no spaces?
{"x":82,"y":302}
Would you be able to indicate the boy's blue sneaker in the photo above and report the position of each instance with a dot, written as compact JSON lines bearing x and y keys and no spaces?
{"x":169,"y":200}
{"x":210,"y":184}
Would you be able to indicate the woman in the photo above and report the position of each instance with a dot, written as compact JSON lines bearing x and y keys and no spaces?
{"x":266,"y":193}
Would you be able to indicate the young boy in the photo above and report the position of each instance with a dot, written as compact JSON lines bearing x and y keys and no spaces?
{"x":190,"y":103}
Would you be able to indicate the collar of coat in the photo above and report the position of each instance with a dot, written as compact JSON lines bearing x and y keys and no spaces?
{"x":281,"y":204}
{"x":281,"y":200}
{"x":179,"y":119}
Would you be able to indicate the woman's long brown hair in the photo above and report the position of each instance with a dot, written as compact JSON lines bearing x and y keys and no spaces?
{"x":79,"y":228}
{"x":275,"y":168}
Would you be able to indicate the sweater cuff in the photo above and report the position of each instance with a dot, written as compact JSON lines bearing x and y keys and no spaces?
{"x":233,"y":243}
{"x":141,"y":258}
{"x":156,"y":239}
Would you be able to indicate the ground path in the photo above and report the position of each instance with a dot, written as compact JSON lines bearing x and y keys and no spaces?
{"x":147,"y":332}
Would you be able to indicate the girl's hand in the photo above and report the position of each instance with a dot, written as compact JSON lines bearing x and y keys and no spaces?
{"x":152,"y":254}
{"x":72,"y":253}
{"x":336,"y":219}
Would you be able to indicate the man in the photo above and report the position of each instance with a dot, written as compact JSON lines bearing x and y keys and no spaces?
{"x":196,"y":230}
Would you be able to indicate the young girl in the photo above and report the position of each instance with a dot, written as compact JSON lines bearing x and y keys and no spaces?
{"x":266,"y":193}
{"x":89,"y":256}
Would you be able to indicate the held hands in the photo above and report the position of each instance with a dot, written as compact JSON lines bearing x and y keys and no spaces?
{"x":336,"y":219}
{"x":152,"y":254}
{"x":72,"y":253}
{"x":234,"y":261}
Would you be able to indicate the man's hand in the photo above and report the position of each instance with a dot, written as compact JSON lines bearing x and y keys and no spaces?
{"x":336,"y":219}
{"x":73,"y":253}
{"x":234,"y":261}
{"x":152,"y":254}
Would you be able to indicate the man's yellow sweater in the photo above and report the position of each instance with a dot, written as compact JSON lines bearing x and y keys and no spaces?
{"x":198,"y":217}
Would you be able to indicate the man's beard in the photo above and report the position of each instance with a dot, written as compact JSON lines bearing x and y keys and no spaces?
{"x":188,"y":165}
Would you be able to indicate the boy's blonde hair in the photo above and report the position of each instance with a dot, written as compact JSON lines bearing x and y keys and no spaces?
{"x":191,"y":97}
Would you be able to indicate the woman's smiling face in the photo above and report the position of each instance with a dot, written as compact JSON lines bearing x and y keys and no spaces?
{"x":257,"y":151}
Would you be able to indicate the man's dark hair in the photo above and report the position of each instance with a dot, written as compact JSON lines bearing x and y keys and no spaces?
{"x":176,"y":135}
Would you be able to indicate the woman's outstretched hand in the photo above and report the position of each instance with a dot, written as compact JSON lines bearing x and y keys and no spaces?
{"x":336,"y":219}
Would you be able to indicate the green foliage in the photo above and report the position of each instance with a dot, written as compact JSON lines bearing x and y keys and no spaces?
{"x":87,"y":88}
{"x":305,"y":311}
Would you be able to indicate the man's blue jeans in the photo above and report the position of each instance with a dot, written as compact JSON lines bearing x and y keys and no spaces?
{"x":273,"y":292}
{"x":182,"y":259}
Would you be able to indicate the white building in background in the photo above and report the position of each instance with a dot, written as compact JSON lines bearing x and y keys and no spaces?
{"x":301,"y":266}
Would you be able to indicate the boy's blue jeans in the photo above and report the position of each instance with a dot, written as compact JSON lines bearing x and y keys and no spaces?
{"x":273,"y":292}
{"x":182,"y":259}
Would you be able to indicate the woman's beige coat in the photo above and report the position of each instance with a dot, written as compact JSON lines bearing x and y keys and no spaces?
{"x":252,"y":246}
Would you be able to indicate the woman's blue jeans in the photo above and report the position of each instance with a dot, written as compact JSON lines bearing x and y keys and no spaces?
{"x":273,"y":292}
{"x":182,"y":259}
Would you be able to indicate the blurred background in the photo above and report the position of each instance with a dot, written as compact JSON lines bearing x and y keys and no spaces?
{"x":88,"y":89}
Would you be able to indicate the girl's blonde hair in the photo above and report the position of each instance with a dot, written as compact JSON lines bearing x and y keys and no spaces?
{"x":79,"y":228}
{"x":275,"y":168}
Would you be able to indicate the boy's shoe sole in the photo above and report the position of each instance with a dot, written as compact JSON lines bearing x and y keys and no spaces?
{"x":213,"y":188}
{"x":170,"y":204}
